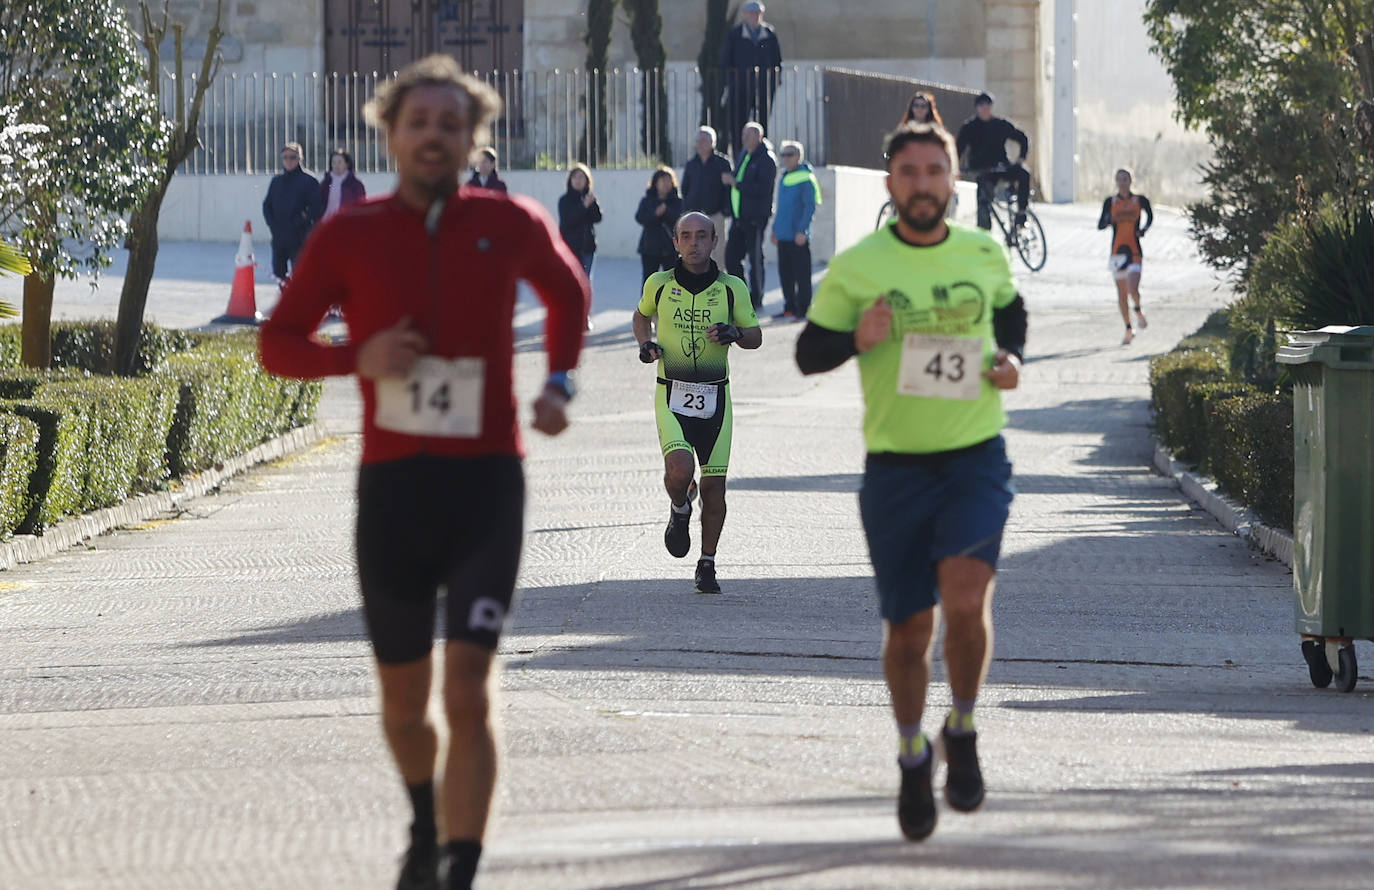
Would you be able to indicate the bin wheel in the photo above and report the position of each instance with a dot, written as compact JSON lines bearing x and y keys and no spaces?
{"x":1318,"y":668}
{"x":1345,"y":675}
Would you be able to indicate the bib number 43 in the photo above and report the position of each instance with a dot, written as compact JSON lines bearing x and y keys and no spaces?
{"x":941,"y":367}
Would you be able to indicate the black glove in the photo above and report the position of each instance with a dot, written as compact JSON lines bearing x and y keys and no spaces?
{"x":649,"y":351}
{"x":727,"y":333}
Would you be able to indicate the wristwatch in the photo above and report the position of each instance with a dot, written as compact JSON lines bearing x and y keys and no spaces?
{"x":563,"y":382}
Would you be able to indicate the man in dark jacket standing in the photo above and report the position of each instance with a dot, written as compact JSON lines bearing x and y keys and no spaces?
{"x":291,"y":208}
{"x":751,"y":203}
{"x":750,"y":62}
{"x":704,"y":189}
{"x":983,"y":138}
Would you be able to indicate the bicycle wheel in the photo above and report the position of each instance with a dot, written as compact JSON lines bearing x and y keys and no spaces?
{"x":885,"y":214}
{"x":1030,"y":243}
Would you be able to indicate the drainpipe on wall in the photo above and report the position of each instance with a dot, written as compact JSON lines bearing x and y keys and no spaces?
{"x":1065,"y":101}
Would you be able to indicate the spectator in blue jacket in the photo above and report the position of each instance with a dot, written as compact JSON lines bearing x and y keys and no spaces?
{"x":799,"y":193}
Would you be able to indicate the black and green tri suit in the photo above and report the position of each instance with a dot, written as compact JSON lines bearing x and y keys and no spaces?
{"x":692,"y":402}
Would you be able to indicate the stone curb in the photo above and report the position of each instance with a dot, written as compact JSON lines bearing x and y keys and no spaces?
{"x":1235,"y":518}
{"x":75,"y":530}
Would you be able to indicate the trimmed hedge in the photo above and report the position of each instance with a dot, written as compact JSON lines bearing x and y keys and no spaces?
{"x":1172,"y":375}
{"x":1239,"y":433}
{"x":1250,"y":452}
{"x":93,"y":441}
{"x":89,"y":346}
{"x":18,"y":460}
{"x":228,"y":405}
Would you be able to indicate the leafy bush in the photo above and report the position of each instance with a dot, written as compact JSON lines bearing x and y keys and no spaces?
{"x":59,"y":477}
{"x":1250,"y":452}
{"x":1171,"y":376}
{"x":96,"y":440}
{"x":228,"y":405}
{"x":18,"y":460}
{"x":89,"y":346}
{"x":11,"y":345}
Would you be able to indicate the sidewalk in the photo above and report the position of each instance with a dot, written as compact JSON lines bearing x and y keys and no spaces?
{"x":191,"y":704}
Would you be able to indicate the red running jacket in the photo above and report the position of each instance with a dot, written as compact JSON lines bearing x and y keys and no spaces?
{"x":379,"y":263}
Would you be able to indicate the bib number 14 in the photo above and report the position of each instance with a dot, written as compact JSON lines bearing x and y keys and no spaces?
{"x":941,"y":367}
{"x":441,"y":397}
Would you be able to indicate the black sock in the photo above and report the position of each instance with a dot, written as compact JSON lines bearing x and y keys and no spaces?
{"x":423,"y":831}
{"x":462,"y":863}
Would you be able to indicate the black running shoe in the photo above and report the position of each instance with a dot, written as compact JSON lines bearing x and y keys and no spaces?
{"x":964,"y":783}
{"x":420,"y":870}
{"x":677,"y":537}
{"x":916,"y":800}
{"x":706,"y":577}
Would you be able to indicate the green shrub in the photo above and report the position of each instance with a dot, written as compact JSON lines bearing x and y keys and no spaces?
{"x":228,"y":404}
{"x":11,"y":345}
{"x":89,"y":346}
{"x":18,"y":460}
{"x":1201,"y":399}
{"x":59,"y":478}
{"x":1171,"y":376}
{"x":127,"y":434}
{"x":1250,"y":452}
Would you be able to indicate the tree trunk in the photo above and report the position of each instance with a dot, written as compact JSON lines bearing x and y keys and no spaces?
{"x":599,"y":23}
{"x":708,"y":63}
{"x":37,"y":328}
{"x":133,"y":298}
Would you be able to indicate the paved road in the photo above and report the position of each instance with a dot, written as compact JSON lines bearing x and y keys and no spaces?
{"x":190,"y":704}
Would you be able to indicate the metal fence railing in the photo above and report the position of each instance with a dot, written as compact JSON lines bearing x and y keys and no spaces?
{"x":550,"y":119}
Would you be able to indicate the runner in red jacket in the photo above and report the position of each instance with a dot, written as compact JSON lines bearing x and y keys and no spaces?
{"x":426,"y":279}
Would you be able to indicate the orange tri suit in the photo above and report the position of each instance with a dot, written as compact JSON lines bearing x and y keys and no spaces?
{"x":1124,"y":216}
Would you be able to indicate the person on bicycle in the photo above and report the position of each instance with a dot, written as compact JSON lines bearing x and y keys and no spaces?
{"x":983,"y":140}
{"x":1130,"y":216}
{"x":921,"y":109}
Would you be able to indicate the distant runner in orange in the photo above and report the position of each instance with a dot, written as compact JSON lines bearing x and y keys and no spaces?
{"x":1123,"y":212}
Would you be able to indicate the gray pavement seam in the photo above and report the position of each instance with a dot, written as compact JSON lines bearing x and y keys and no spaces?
{"x":1233,"y":517}
{"x":75,"y":530}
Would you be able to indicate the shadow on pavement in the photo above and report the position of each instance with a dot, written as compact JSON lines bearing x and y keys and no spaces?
{"x":1225,"y":835}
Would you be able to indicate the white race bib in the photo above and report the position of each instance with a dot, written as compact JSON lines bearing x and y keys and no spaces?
{"x":441,"y":397}
{"x":693,"y":399}
{"x":941,"y":367}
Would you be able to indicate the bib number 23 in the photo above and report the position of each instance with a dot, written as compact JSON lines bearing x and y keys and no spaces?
{"x":941,"y":367}
{"x":693,"y":399}
{"x":441,"y":397}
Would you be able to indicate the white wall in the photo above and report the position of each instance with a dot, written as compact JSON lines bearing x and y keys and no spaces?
{"x":1126,"y":107}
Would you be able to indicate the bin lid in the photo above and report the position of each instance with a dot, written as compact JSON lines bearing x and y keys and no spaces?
{"x":1335,"y":346}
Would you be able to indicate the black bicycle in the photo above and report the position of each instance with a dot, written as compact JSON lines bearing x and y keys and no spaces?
{"x":1027,"y":239}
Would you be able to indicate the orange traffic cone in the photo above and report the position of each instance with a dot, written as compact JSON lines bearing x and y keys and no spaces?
{"x":242,"y":301}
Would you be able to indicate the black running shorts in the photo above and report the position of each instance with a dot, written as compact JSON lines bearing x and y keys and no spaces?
{"x":430,"y":523}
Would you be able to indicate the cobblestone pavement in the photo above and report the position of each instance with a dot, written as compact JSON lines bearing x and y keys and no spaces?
{"x":190,"y":703}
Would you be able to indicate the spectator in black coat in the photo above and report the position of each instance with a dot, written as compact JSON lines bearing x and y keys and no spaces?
{"x":704,"y":189}
{"x":751,"y":63}
{"x":751,"y":203}
{"x":291,"y":208}
{"x":578,"y":212}
{"x":658,"y":212}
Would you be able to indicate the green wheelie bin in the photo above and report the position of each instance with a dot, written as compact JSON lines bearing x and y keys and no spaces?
{"x":1333,"y":496}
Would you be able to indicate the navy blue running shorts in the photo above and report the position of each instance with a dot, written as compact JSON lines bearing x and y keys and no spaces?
{"x":918,"y":509}
{"x":430,"y":524}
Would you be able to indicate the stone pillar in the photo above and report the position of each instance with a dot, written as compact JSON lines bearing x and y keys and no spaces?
{"x":1013,"y":67}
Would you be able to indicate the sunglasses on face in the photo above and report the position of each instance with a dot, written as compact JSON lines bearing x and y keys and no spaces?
{"x":290,"y":157}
